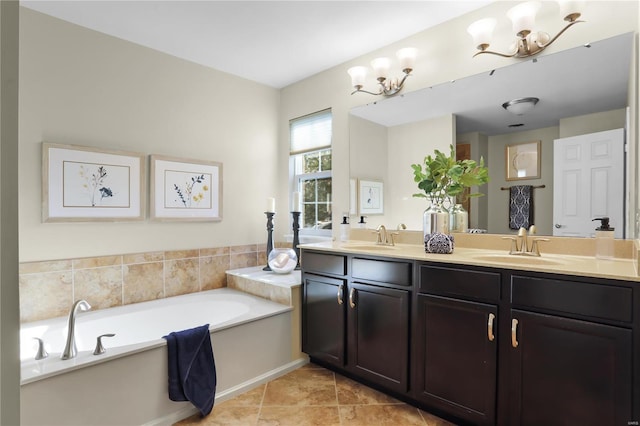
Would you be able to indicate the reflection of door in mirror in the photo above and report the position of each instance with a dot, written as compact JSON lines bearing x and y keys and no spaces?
{"x":463,"y":152}
{"x":588,"y":183}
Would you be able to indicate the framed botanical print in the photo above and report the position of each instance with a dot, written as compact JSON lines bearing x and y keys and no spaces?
{"x":81,"y":183}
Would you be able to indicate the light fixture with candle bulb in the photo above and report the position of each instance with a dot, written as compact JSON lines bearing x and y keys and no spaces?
{"x":381,"y":67}
{"x":528,"y":41}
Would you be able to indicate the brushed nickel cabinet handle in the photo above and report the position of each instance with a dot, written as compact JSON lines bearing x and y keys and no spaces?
{"x":352,"y":294}
{"x":514,"y":329}
{"x":340,"y":291}
{"x":490,"y":327}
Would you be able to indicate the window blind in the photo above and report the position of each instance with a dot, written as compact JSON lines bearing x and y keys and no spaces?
{"x":311,"y":132}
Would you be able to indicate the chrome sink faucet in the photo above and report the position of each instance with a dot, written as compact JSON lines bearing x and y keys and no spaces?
{"x":520,"y":244}
{"x":70,"y":349}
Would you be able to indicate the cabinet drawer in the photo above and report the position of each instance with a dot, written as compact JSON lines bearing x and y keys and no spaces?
{"x":593,"y":300}
{"x":382,"y":271}
{"x":323,"y":263}
{"x":459,"y":282}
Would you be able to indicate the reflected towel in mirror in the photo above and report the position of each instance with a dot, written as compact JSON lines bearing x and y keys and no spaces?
{"x":520,"y":206}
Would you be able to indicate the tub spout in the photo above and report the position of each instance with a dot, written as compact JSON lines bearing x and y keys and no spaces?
{"x":70,"y":349}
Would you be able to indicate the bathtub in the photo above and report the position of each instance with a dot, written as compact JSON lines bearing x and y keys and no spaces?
{"x":127,"y":384}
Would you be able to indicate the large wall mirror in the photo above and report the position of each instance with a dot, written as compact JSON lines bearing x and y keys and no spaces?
{"x":581,"y":91}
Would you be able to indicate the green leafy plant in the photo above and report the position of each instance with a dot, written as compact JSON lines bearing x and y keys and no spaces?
{"x":441,"y":176}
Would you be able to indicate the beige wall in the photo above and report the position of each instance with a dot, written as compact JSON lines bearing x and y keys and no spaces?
{"x":543,"y":197}
{"x":445,"y":54}
{"x":409,"y":144}
{"x":9,"y":328}
{"x":82,"y":87}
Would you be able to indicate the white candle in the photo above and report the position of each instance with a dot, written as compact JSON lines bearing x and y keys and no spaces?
{"x":271,"y":205}
{"x":295,"y":202}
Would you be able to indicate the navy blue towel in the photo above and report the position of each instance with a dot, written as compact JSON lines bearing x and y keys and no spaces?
{"x":192,"y":368}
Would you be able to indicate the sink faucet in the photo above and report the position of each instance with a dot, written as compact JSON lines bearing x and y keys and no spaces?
{"x":70,"y":349}
{"x":385,"y":238}
{"x":520,"y":244}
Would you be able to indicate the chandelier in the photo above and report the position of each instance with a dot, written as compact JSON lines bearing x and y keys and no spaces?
{"x":381,"y":68}
{"x":528,"y":42}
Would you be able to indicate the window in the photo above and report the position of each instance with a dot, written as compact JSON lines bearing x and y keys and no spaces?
{"x":311,"y":170}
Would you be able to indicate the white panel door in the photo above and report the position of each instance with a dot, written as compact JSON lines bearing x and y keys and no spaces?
{"x":588,"y":182}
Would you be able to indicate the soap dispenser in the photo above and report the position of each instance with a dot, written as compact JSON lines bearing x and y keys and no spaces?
{"x":362,"y":224}
{"x":344,"y":227}
{"x":604,"y":239}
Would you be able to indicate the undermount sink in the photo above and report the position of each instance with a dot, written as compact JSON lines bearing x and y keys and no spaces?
{"x":519,"y":259}
{"x":368,"y":247}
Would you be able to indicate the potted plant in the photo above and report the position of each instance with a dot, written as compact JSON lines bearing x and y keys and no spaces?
{"x":441,"y":177}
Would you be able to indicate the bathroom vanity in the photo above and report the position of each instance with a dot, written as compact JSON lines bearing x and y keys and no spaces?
{"x":479,"y":341}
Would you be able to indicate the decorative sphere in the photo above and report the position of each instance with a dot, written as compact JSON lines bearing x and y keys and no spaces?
{"x":282,"y":260}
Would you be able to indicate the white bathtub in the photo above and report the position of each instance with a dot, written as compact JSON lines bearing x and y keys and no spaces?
{"x":251,"y":340}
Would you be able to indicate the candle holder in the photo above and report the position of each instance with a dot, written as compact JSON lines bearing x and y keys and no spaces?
{"x":270,"y":216}
{"x":296,"y":241}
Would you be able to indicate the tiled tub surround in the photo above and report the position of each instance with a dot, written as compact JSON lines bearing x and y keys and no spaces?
{"x":280,"y":288}
{"x":49,"y":288}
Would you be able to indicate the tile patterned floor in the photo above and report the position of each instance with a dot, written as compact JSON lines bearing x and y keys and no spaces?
{"x":312,"y":395}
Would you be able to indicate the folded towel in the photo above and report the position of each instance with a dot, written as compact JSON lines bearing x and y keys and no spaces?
{"x":520,"y":206}
{"x":192,"y":368}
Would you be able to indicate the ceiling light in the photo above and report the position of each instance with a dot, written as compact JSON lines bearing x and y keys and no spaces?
{"x":520,"y":106}
{"x":528,"y":42}
{"x":381,"y":68}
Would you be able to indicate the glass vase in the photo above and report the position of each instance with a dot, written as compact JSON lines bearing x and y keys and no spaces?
{"x":435,"y":219}
{"x":458,"y":219}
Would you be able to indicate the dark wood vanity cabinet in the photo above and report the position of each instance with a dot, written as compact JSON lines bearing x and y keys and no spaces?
{"x":356,"y":318}
{"x":570,"y":353}
{"x":481,"y":345}
{"x":455,"y":343}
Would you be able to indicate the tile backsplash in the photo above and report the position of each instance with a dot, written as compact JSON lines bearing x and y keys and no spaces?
{"x":49,"y":288}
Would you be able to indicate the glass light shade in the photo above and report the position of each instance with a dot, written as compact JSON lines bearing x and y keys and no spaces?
{"x":482,"y":31}
{"x":381,"y":67}
{"x":523,"y":16}
{"x":570,"y":7}
{"x":407,"y":57}
{"x":520,"y":106}
{"x":358,"y":74}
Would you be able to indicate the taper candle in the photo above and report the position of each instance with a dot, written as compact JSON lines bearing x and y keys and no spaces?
{"x":271,"y":205}
{"x":295,"y":202}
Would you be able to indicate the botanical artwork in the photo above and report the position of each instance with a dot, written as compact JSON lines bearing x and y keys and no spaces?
{"x":81,"y":183}
{"x":95,"y":185}
{"x":187,"y":190}
{"x":370,"y":196}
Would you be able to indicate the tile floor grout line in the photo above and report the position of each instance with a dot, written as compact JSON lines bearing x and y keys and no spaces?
{"x":264,"y":392}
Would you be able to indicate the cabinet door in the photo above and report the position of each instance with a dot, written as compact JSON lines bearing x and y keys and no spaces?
{"x":379,"y":335}
{"x":568,"y":372}
{"x":323,"y":317}
{"x":455,"y":347}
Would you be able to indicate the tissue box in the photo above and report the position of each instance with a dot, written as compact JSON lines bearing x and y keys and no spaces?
{"x":438,"y":243}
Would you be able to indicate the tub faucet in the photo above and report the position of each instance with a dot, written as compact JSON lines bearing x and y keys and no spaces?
{"x":70,"y":349}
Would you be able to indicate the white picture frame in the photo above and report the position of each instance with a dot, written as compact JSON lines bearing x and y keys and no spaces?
{"x":370,"y":197}
{"x":88,"y":184}
{"x":185,"y":189}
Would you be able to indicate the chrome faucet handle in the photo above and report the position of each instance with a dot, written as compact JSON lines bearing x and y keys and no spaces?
{"x":514,"y":244}
{"x":42,"y":353}
{"x":100,"y":349}
{"x":535,"y":250}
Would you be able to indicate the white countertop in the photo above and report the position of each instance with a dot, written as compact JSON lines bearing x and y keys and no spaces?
{"x":586,"y":266}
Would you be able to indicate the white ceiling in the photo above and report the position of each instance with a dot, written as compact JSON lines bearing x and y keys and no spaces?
{"x":272,"y":42}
